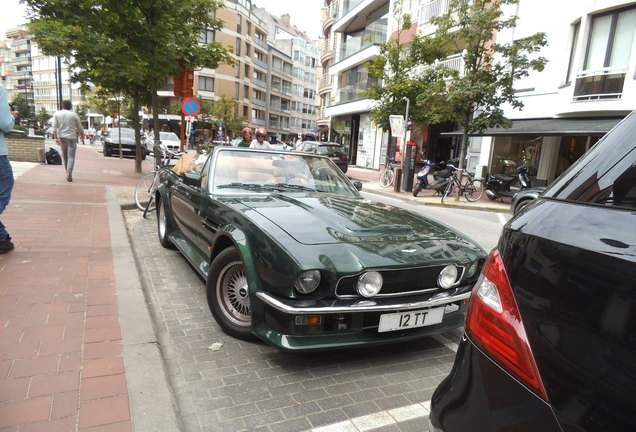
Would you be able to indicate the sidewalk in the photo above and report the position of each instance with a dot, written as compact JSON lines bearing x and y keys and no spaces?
{"x":78,"y":351}
{"x":370,"y":183}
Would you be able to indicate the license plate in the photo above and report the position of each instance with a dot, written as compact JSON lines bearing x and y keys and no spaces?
{"x":412,"y":319}
{"x":335,"y":158}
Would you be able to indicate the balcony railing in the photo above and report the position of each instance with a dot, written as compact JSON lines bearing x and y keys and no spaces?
{"x":606,"y":83}
{"x":455,"y":62}
{"x":328,"y":14}
{"x":430,"y":9}
{"x":325,"y":83}
{"x":259,"y":102}
{"x":359,"y":43}
{"x":260,"y":83}
{"x":260,"y":63}
{"x":347,"y":5}
{"x":258,"y":122}
{"x":261,"y":43}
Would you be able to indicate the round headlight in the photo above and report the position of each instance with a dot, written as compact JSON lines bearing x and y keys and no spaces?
{"x":369,"y":284}
{"x":308,"y":281}
{"x":472,"y":269}
{"x":447,"y":277}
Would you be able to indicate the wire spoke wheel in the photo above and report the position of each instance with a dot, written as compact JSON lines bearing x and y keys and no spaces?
{"x":143,"y":191}
{"x":448,"y":192}
{"x":387,"y":177}
{"x":233,"y":294}
{"x":474,"y":190}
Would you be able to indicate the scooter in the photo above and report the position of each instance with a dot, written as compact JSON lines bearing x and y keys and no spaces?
{"x":498,"y":185}
{"x":441,"y":177}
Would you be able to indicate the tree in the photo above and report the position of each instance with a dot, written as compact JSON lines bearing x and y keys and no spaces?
{"x":129,"y":47}
{"x":223,"y":110}
{"x":21,"y":105}
{"x":474,"y":97}
{"x":43,"y":117}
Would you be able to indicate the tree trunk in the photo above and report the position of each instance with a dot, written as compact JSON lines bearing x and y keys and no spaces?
{"x":462,"y":150}
{"x":156,"y":127}
{"x":135,"y":119}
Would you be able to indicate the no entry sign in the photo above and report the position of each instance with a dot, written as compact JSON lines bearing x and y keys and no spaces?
{"x":190,"y":106}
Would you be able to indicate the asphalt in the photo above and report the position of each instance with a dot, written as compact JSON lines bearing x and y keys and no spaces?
{"x":79,"y":348}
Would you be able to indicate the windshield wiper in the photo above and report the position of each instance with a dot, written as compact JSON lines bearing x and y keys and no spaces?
{"x":237,"y":185}
{"x":294,"y":186}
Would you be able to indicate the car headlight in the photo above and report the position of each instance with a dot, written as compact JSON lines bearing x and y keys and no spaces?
{"x":369,"y":284}
{"x":472,"y":269}
{"x":447,"y":277}
{"x":308,"y":281}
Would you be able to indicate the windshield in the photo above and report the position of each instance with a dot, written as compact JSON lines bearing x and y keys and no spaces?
{"x":251,"y":171}
{"x":328,"y":149}
{"x":168,"y":136}
{"x":125,"y":133}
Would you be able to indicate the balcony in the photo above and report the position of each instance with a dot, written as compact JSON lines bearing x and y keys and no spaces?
{"x":325,"y":83}
{"x":430,"y":9}
{"x":259,"y":102}
{"x":21,"y":61}
{"x":455,"y":62}
{"x":328,"y":14}
{"x":353,"y":15}
{"x":327,"y":48}
{"x":261,"y":43}
{"x":260,"y":83}
{"x":258,"y":122}
{"x":602,"y":84}
{"x":359,"y":43}
{"x":322,"y":116}
{"x":260,"y":63}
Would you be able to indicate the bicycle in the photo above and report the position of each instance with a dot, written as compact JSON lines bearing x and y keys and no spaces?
{"x":387,"y":177}
{"x":148,"y":183}
{"x":472,"y":188}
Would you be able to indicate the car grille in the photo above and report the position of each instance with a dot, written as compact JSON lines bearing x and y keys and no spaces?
{"x":397,"y":282}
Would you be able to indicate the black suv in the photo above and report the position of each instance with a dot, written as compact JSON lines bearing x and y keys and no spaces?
{"x":550,"y":334}
{"x":335,"y":152}
{"x":112,"y":139}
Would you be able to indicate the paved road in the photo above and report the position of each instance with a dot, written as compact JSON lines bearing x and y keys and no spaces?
{"x":247,"y":386}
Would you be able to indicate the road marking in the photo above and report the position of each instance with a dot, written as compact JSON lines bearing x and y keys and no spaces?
{"x":379,"y":419}
{"x":502,"y":218}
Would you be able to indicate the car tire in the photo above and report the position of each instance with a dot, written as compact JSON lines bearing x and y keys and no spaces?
{"x":521,"y":205}
{"x":228,"y":294}
{"x":106,"y":151}
{"x":162,"y":226}
{"x":416,"y":189}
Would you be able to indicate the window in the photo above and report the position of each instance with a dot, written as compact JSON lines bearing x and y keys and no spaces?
{"x":249,"y":28}
{"x":247,"y":71}
{"x":248,"y":49}
{"x":575,"y":37}
{"x":206,"y":36}
{"x":237,"y":91}
{"x":206,"y":83}
{"x":610,"y":39}
{"x":246,"y":91}
{"x":238,"y":46}
{"x":239,"y":23}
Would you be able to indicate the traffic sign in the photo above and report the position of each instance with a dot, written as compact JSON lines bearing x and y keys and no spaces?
{"x":190,"y":106}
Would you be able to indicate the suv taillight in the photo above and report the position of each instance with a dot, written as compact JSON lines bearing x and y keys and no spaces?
{"x":494,"y":324}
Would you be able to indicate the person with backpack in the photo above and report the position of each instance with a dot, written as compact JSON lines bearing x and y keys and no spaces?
{"x":7,"y":120}
{"x":66,"y":128}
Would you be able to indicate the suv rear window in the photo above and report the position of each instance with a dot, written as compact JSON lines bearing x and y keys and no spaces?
{"x":326,"y":149}
{"x":606,"y":174}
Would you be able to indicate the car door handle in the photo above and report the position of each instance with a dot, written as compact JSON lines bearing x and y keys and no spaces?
{"x":210,"y":225}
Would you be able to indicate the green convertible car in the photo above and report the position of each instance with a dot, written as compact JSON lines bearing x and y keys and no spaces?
{"x":292,"y":253}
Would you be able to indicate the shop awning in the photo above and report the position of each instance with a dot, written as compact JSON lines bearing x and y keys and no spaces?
{"x":320,"y":129}
{"x":549,"y":127}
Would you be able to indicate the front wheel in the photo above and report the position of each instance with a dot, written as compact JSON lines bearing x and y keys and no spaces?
{"x":143,"y":192}
{"x":474,"y":190}
{"x":228,"y":294}
{"x":416,"y":189}
{"x":386,"y":178}
{"x":162,"y":226}
{"x":447,"y":192}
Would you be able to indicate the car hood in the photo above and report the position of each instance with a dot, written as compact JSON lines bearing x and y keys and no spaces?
{"x":315,"y":219}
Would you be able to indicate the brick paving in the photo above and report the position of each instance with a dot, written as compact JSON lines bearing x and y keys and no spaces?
{"x":61,"y":363}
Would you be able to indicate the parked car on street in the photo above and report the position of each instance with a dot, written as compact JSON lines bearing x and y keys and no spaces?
{"x":294,"y":255}
{"x":333,"y":150}
{"x":168,"y":139}
{"x":110,"y":144}
{"x":550,"y":334}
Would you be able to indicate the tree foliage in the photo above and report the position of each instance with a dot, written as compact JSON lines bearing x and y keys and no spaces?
{"x":21,"y":105}
{"x":472,"y":96}
{"x":128,"y":47}
{"x":43,"y":117}
{"x":224,"y":110}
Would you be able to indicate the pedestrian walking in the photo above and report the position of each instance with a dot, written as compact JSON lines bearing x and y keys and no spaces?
{"x":7,"y":120}
{"x":66,"y":128}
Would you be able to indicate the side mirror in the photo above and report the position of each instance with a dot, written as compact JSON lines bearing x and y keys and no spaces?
{"x":357,"y":185}
{"x":192,"y":179}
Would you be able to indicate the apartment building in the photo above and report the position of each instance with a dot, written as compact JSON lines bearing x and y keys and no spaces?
{"x":354,"y":28}
{"x":587,"y":87}
{"x":17,"y":76}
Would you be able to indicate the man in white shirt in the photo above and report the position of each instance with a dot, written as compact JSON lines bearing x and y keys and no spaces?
{"x":66,"y":128}
{"x":259,"y":142}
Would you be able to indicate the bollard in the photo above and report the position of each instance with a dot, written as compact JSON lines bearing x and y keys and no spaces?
{"x":397,"y":179}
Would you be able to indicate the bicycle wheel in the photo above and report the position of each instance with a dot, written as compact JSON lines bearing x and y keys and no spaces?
{"x":473,"y":190}
{"x":387,"y":177}
{"x":448,"y":192}
{"x":142,"y":190}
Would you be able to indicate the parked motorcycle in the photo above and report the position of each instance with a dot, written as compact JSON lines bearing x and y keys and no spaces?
{"x":498,"y":185}
{"x":439,"y":172}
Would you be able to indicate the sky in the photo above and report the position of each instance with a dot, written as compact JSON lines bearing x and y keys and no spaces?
{"x":304,"y":14}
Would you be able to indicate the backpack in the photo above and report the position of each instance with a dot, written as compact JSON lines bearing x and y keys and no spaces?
{"x":53,"y":157}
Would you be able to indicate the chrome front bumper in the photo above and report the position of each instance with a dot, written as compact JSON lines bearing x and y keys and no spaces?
{"x":304,"y":307}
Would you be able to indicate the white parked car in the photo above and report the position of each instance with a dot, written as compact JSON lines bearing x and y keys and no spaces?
{"x":169,"y":139}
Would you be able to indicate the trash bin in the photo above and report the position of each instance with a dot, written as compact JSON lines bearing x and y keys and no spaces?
{"x":397,"y":179}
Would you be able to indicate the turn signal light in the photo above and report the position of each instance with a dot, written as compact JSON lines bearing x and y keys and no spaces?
{"x":308,"y":320}
{"x":494,"y":324}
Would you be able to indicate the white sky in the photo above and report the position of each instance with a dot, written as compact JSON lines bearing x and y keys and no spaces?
{"x":304,"y":14}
